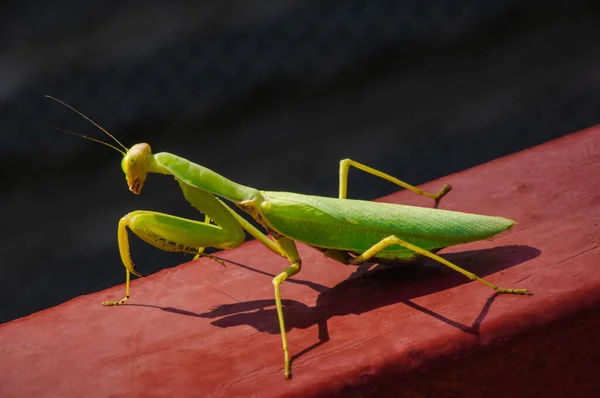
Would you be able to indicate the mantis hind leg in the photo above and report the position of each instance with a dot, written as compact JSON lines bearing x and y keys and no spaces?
{"x":393,"y":240}
{"x":345,"y":166}
{"x":172,"y":234}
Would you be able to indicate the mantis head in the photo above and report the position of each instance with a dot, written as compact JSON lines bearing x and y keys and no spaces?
{"x":136,"y":160}
{"x":135,"y":165}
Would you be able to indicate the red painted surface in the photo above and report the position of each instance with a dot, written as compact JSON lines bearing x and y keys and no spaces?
{"x":204,"y":330}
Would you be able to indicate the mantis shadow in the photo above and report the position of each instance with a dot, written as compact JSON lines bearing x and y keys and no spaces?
{"x":368,"y":288}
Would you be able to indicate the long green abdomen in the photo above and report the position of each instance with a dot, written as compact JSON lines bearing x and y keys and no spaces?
{"x":356,"y":225}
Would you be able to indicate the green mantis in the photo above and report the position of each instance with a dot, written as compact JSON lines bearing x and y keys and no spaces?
{"x":349,"y":231}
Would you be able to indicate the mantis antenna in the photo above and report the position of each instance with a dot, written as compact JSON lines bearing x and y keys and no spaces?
{"x":91,"y":121}
{"x":89,"y":138}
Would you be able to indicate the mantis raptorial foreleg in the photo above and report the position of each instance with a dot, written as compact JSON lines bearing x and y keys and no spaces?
{"x":170,"y":233}
{"x":289,"y":247}
{"x":176,"y":234}
{"x":345,"y":166}
{"x":393,"y":240}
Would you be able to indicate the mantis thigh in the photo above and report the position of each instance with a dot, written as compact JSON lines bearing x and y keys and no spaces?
{"x":176,"y":234}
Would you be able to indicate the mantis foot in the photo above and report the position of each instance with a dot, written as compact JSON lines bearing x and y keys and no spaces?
{"x":112,"y":303}
{"x":515,"y":291}
{"x":447,"y":188}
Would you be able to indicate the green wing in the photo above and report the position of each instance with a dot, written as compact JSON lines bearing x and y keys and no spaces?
{"x":356,"y":225}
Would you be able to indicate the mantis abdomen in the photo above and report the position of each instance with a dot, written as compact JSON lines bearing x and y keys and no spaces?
{"x":356,"y":225}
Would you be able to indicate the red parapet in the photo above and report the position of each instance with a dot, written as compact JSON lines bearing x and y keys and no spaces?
{"x":202,"y":330}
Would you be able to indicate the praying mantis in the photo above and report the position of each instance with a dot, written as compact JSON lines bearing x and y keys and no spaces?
{"x":349,"y":231}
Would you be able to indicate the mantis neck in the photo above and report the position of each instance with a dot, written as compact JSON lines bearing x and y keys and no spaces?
{"x":200,"y":177}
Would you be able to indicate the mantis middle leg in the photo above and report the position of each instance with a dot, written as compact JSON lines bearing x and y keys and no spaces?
{"x":345,"y":166}
{"x":207,"y":220}
{"x":217,"y":211}
{"x":394,"y":240}
{"x":289,"y":248}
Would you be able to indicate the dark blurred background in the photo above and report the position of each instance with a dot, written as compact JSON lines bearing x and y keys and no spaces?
{"x":271,"y":94}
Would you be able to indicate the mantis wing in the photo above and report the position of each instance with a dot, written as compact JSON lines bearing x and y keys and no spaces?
{"x":356,"y":225}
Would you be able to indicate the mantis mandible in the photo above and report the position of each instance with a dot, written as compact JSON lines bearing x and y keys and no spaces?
{"x":346,"y":230}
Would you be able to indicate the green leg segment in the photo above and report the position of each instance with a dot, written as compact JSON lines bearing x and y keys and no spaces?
{"x":393,"y":240}
{"x":170,"y":233}
{"x":289,"y":247}
{"x":223,"y":215}
{"x":345,"y":166}
{"x":201,"y":249}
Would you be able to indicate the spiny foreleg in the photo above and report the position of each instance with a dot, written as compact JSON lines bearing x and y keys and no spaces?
{"x":173,"y":234}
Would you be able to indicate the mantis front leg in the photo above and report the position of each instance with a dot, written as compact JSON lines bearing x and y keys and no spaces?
{"x":345,"y":166}
{"x":173,"y":234}
{"x":176,"y":234}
